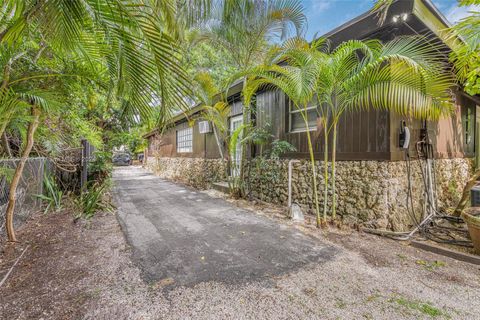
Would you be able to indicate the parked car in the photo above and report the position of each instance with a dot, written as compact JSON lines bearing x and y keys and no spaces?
{"x":122,"y":159}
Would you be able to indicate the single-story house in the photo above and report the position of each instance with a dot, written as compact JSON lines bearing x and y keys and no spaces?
{"x":372,"y":180}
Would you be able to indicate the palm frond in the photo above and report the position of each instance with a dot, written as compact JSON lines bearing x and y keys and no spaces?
{"x":381,"y":7}
{"x":244,"y":28}
{"x":132,"y":38}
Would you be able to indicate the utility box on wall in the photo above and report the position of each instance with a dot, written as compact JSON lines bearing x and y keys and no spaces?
{"x":475,"y":196}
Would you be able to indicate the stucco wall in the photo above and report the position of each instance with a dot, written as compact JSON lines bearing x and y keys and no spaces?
{"x":371,"y":192}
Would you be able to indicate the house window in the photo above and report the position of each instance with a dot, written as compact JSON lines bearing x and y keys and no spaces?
{"x":297,"y":123}
{"x":184,"y":140}
{"x":468,"y":126}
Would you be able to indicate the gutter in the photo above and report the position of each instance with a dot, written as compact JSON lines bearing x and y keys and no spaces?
{"x":438,"y":13}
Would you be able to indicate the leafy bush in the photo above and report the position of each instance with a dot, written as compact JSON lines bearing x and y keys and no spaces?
{"x":280,"y":147}
{"x":100,"y":168}
{"x":91,"y":200}
{"x":52,"y":195}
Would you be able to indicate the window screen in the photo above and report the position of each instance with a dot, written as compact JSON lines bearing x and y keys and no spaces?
{"x":184,"y":140}
{"x":297,"y":123}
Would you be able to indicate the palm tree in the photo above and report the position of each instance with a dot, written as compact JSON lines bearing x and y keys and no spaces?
{"x":297,"y":78}
{"x":35,"y":112}
{"x":402,"y":76}
{"x":26,"y":96}
{"x":465,"y":55}
{"x":466,"y":59}
{"x":464,"y":39}
{"x":214,"y":108}
{"x":244,"y":29}
{"x":134,"y":42}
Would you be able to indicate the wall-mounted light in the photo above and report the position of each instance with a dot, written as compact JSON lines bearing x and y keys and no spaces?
{"x":396,"y":18}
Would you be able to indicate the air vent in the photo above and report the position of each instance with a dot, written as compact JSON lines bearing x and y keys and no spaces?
{"x":204,"y":127}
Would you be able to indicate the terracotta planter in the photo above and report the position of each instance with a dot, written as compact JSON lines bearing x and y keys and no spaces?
{"x":472,"y":218}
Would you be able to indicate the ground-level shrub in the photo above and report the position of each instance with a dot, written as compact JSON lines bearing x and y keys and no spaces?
{"x":93,"y":199}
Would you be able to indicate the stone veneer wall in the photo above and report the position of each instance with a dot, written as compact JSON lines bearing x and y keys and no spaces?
{"x":372,"y":192}
{"x":197,"y":172}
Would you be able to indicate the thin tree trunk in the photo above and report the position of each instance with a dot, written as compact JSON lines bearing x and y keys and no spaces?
{"x":466,"y":192}
{"x":220,"y":149}
{"x":18,"y":174}
{"x":325,"y":173}
{"x":4,"y":91}
{"x":7,"y":70}
{"x":334,"y":150}
{"x":314,"y":171}
{"x":5,"y":144}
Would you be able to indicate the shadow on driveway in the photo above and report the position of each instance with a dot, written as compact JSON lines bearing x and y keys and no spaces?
{"x":180,"y":234}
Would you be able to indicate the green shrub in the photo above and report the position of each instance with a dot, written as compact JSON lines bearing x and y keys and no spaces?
{"x":280,"y":147}
{"x":91,"y":200}
{"x":52,"y":195}
{"x":100,"y":168}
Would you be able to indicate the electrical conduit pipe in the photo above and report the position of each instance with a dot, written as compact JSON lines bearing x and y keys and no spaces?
{"x":290,"y":171}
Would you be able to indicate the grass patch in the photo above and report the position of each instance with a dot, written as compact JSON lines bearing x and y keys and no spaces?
{"x":424,"y":307}
{"x":431,"y":265}
{"x":402,"y":256}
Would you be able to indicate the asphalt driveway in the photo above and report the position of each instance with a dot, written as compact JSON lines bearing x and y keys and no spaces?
{"x":186,"y":237}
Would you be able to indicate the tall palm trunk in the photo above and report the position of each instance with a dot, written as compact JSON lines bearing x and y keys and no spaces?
{"x":325,"y":172}
{"x":334,"y":150}
{"x":18,"y":173}
{"x":314,"y":171}
{"x":217,"y":140}
{"x":243,"y":158}
{"x":220,"y":150}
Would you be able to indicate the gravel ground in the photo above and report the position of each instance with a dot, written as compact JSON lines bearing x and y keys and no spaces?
{"x":85,"y":271}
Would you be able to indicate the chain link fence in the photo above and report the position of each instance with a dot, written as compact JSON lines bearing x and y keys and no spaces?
{"x":30,"y":185}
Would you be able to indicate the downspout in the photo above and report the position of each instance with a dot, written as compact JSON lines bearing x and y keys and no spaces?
{"x":290,"y":171}
{"x":204,"y":146}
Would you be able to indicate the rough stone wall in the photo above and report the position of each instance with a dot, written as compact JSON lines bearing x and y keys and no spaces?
{"x":197,"y":172}
{"x":373,"y":192}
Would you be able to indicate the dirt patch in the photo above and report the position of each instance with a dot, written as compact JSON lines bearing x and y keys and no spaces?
{"x":54,"y":278}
